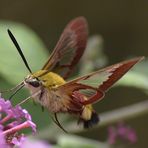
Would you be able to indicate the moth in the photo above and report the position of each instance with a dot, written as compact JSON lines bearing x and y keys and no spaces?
{"x":50,"y":87}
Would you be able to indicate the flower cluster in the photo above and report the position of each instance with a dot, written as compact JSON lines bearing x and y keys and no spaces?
{"x":12,"y":120}
{"x":121,"y":132}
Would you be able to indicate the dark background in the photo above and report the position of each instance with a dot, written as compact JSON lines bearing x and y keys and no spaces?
{"x":122,"y":23}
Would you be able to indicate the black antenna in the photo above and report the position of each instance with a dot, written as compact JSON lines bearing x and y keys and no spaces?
{"x":19,"y":49}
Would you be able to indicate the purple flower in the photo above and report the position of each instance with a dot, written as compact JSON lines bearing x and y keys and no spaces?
{"x":131,"y":136}
{"x":32,"y":143}
{"x":18,"y":142}
{"x":4,"y":105}
{"x":112,"y":135}
{"x":12,"y":121}
{"x":122,"y":132}
{"x":2,"y":140}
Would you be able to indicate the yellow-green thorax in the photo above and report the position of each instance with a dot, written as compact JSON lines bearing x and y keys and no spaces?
{"x":49,"y":79}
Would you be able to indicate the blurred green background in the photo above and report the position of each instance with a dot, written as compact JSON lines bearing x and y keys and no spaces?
{"x":122,"y":27}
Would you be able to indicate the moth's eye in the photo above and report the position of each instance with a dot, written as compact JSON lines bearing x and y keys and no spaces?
{"x":34,"y":82}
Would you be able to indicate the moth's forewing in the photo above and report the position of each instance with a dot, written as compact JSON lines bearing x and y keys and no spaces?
{"x":69,"y":48}
{"x":117,"y":73}
{"x":100,"y":81}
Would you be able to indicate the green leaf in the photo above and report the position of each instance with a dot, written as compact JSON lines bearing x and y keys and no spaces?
{"x":12,"y":67}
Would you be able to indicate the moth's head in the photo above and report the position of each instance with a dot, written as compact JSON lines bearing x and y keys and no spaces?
{"x":35,"y":79}
{"x":32,"y":81}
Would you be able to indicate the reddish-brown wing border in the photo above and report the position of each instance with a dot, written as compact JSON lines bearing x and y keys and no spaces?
{"x":74,"y":37}
{"x":113,"y":73}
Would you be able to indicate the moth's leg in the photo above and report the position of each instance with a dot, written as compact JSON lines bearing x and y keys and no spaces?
{"x":55,"y":119}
